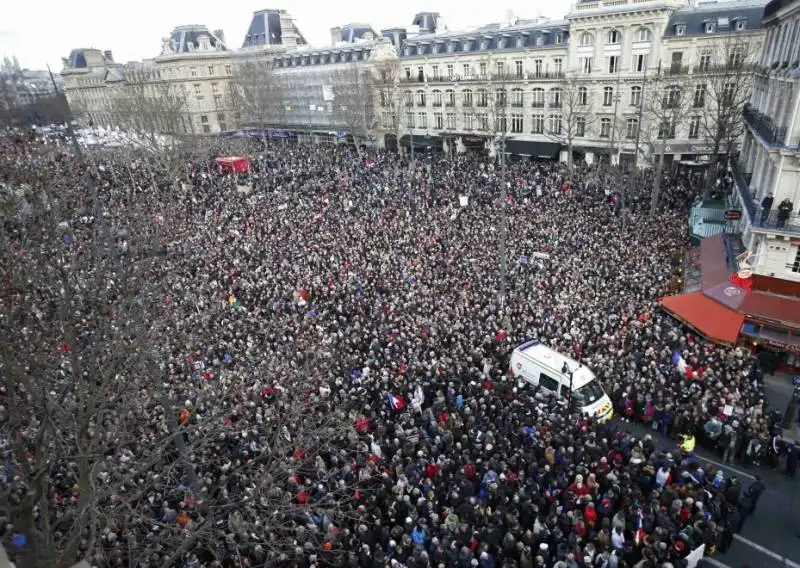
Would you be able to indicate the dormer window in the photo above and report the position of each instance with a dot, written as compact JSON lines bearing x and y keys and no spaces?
{"x":539,"y":41}
{"x":559,"y":38}
{"x":407,"y":50}
{"x":435,"y":48}
{"x":680,"y":30}
{"x":521,"y":41}
{"x":484,"y":44}
{"x":501,"y":42}
{"x":741,"y":24}
{"x":451,"y":47}
{"x":466,"y":46}
{"x":709,"y":27}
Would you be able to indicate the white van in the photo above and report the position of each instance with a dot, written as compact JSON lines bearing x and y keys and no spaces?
{"x":538,"y":365}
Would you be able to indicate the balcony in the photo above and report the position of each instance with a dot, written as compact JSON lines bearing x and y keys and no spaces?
{"x":543,"y":75}
{"x":774,"y":136}
{"x":555,"y":104}
{"x":450,"y":104}
{"x":674,"y":70}
{"x":537,"y":104}
{"x":724,"y":68}
{"x":742,"y":181}
{"x":436,"y":104}
{"x":771,"y":221}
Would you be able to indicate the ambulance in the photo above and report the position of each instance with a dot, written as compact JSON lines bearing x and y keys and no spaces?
{"x":535,"y":364}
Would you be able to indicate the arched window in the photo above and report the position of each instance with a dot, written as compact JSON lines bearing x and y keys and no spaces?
{"x":421,"y":98}
{"x":437,"y":97}
{"x":583,"y":96}
{"x":408,"y":97}
{"x":587,"y":39}
{"x":450,"y":97}
{"x":466,"y":97}
{"x":580,"y":127}
{"x":636,"y":95}
{"x":516,"y":97}
{"x":538,"y":98}
{"x":614,"y":37}
{"x":501,"y":98}
{"x":483,"y":98}
{"x":644,"y":34}
{"x":555,"y":98}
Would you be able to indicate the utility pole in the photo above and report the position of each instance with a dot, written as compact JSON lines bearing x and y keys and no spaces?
{"x":503,"y":219}
{"x":87,"y":176}
{"x":664,"y":126}
{"x":639,"y":117}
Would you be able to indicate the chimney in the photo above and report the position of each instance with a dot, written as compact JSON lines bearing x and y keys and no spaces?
{"x":336,"y":35}
{"x":220,"y":35}
{"x":109,"y":57}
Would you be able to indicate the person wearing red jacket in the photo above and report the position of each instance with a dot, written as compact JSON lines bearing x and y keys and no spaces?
{"x":590,"y":515}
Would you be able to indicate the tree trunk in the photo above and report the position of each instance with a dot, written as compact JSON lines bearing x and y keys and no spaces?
{"x":657,"y":181}
{"x":709,"y":185}
{"x":569,"y":159}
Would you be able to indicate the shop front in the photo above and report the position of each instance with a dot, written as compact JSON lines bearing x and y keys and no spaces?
{"x":734,"y":306}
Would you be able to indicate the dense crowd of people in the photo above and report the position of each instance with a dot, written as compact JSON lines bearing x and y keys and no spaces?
{"x":334,"y":350}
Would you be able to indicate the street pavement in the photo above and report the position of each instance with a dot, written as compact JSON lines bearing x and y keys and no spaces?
{"x":770,"y":538}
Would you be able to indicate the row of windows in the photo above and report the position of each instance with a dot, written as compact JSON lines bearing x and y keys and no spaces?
{"x":467,"y":45}
{"x":539,"y":124}
{"x":516,"y":97}
{"x":554,"y":97}
{"x":322,"y":58}
{"x":482,"y":70}
{"x":614,"y":37}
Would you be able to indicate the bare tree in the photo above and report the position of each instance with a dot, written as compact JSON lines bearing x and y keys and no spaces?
{"x":354,"y":105}
{"x":91,"y":289}
{"x":390,"y":98}
{"x":158,"y":114}
{"x":722,"y":88}
{"x":575,"y":113}
{"x":666,"y":106}
{"x":258,"y":93}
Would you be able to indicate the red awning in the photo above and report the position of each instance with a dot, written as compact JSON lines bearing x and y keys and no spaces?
{"x":705,"y":315}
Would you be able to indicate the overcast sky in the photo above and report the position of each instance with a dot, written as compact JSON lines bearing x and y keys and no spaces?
{"x":41,"y":32}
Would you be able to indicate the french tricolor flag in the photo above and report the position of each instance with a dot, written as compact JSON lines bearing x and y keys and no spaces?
{"x":395,"y":402}
{"x":639,"y":534}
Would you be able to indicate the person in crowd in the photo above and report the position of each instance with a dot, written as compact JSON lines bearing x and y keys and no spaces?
{"x":356,"y":288}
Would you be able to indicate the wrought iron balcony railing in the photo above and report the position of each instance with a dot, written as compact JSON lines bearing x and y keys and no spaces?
{"x":764,"y":127}
{"x":772,"y":218}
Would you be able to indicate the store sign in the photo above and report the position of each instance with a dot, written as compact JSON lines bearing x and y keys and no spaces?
{"x":690,"y":148}
{"x":744,"y":265}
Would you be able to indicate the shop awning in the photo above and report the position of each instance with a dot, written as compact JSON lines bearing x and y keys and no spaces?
{"x":706,"y":316}
{"x":548,"y":150}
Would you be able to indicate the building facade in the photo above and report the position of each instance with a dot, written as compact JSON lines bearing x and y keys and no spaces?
{"x":464,"y":88}
{"x":746,"y":279}
{"x":769,"y":163}
{"x":23,"y":87}
{"x":543,"y":87}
